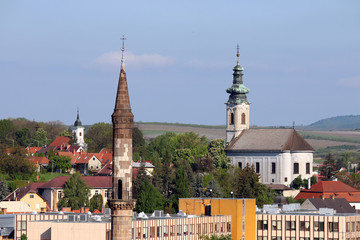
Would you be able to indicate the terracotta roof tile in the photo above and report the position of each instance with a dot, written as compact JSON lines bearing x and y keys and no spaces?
{"x":91,"y":181}
{"x":21,"y":192}
{"x":60,"y":141}
{"x":39,"y":160}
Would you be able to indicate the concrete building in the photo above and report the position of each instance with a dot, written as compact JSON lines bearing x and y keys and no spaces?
{"x":242,"y":211}
{"x":278,"y":155}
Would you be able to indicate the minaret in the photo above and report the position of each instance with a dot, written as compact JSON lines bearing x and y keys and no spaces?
{"x":237,"y":107}
{"x":78,"y":131}
{"x":121,"y":203}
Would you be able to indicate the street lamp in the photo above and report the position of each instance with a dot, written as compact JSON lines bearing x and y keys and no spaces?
{"x":210,"y":192}
{"x":232,"y":194}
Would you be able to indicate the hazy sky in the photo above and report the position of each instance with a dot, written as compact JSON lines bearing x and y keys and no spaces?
{"x":301,"y":59}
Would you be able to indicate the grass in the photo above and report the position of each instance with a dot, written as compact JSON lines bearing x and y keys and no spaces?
{"x":185,"y":125}
{"x":318,"y":136}
{"x":45,"y":177}
{"x":155,"y":132}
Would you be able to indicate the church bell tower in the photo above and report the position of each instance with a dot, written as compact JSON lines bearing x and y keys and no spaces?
{"x":121,"y":202}
{"x":237,"y":107}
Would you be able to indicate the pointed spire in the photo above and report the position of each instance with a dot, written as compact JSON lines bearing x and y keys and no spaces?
{"x":122,"y":104}
{"x":238,"y":55}
{"x":77,"y":122}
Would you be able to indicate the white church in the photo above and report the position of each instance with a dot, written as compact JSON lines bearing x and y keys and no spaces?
{"x":78,"y":132}
{"x":277,"y":155}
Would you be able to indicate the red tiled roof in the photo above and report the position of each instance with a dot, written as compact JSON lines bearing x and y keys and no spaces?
{"x":84,"y":158}
{"x":91,"y":181}
{"x":329,"y":189}
{"x":71,"y":155}
{"x":32,"y":149}
{"x":106,"y":151}
{"x":39,"y":160}
{"x":60,"y":141}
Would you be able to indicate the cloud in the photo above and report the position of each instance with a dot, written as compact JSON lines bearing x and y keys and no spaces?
{"x":353,"y":82}
{"x":113,"y":59}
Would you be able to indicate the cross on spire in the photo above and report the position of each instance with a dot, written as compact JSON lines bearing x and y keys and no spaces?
{"x":123,"y":49}
{"x":238,"y":55}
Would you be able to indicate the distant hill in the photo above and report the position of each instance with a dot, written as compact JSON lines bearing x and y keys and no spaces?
{"x":349,"y":122}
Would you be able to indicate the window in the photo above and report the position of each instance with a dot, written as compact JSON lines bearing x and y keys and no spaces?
{"x":166,"y":231}
{"x":199,"y":229}
{"x":276,"y":225}
{"x":145,"y":232}
{"x":348,"y":227}
{"x":228,"y":227}
{"x":158,"y":232}
{"x":285,"y":179}
{"x":23,"y":225}
{"x":307,"y":168}
{"x":217,"y":227}
{"x":178,"y":232}
{"x":94,"y":158}
{"x":96,"y":192}
{"x":106,"y":193}
{"x":243,"y":118}
{"x":273,"y":168}
{"x":231,"y":118}
{"x":333,"y":226}
{"x":31,"y":195}
{"x":204,"y":228}
{"x":296,"y":168}
{"x":80,"y":134}
{"x":18,"y":226}
{"x":59,"y":194}
{"x":304,"y":226}
{"x":240,"y":165}
{"x":275,"y":238}
{"x":291,"y":238}
{"x":172,"y":230}
{"x":290,"y":225}
{"x":185,"y":229}
{"x":192,"y":228}
{"x":318,"y":226}
{"x":138,"y":235}
{"x":211,"y":228}
{"x":257,"y":167}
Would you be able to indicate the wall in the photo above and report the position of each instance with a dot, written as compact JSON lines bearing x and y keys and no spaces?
{"x":240,"y":210}
{"x":36,"y":203}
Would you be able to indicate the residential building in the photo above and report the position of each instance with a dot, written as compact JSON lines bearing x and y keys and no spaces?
{"x":332,"y":189}
{"x":53,"y":190}
{"x":242,"y":211}
{"x":278,"y":155}
{"x":29,"y":195}
{"x":39,"y":162}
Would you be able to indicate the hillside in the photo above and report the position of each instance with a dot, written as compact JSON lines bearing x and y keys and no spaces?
{"x":349,"y":122}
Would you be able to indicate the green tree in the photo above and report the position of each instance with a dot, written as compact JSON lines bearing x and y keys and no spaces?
{"x":141,"y":176}
{"x":224,"y":178}
{"x":60,"y":163}
{"x":216,"y":150}
{"x":23,"y":137}
{"x":297,"y":182}
{"x":99,"y":136}
{"x":139,"y":145}
{"x":40,"y":138}
{"x":4,"y":190}
{"x":16,"y":164}
{"x":7,"y":130}
{"x":246,"y":185}
{"x":96,"y":202}
{"x":76,"y":193}
{"x":216,"y":237}
{"x":24,"y":237}
{"x":149,"y":198}
{"x":328,"y":170}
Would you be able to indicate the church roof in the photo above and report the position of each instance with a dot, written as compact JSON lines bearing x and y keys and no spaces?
{"x":269,"y":140}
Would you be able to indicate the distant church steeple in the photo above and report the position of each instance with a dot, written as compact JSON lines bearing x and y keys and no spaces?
{"x":237,"y":107}
{"x":78,"y":132}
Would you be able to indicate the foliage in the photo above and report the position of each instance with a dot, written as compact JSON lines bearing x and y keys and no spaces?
{"x":96,"y":202}
{"x":203,"y":164}
{"x":297,"y":182}
{"x":164,"y":174}
{"x":216,"y":237}
{"x":246,"y":185}
{"x":24,"y":237}
{"x":23,"y":137}
{"x":16,"y":165}
{"x":329,"y":168}
{"x":40,"y":138}
{"x":139,"y":145}
{"x":60,"y":163}
{"x":45,"y":177}
{"x":76,"y":193}
{"x":7,"y":129}
{"x":140,"y":178}
{"x":216,"y":150}
{"x":99,"y":136}
{"x":224,"y":179}
{"x":149,"y":198}
{"x":4,"y":190}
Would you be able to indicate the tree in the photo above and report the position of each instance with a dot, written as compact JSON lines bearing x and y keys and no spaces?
{"x":216,"y":237}
{"x":328,"y":170}
{"x":139,"y":145}
{"x":40,"y":138}
{"x":16,"y":164}
{"x":24,"y":237}
{"x":99,"y":136}
{"x":23,"y":137}
{"x":96,"y":202}
{"x":61,"y":163}
{"x":7,"y":130}
{"x":246,"y":185}
{"x":216,"y":150}
{"x":149,"y":198}
{"x":76,"y":193}
{"x":140,"y":178}
{"x":4,"y":190}
{"x":297,"y":182}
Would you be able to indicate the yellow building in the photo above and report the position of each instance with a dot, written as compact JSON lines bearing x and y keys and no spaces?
{"x":30,"y":196}
{"x":243,"y":212}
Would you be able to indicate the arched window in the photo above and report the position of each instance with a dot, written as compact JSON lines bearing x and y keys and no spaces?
{"x":119,"y":189}
{"x":231,"y":118}
{"x":243,"y":118}
{"x":80,"y":134}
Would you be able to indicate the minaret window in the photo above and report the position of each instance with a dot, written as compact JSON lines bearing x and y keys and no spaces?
{"x":231,"y":118}
{"x":243,"y":118}
{"x":119,"y":189}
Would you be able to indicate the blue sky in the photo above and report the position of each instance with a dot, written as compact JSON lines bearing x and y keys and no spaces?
{"x":301,"y":59}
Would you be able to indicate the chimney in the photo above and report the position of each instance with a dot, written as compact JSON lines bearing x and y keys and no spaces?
{"x":332,"y":197}
{"x":322,"y":197}
{"x":82,"y":210}
{"x":4,"y":210}
{"x":309,"y":183}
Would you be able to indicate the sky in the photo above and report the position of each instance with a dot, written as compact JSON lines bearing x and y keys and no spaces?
{"x":301,"y":59}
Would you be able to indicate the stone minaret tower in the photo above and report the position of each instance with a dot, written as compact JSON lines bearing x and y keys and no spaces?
{"x":237,"y":107}
{"x":78,"y":131}
{"x":121,"y":203}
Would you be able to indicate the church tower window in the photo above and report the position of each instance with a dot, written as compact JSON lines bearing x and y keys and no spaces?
{"x":231,"y":118}
{"x":243,"y":118}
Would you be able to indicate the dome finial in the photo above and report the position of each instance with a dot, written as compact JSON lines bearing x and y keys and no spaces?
{"x":123,"y":49}
{"x":238,"y":55}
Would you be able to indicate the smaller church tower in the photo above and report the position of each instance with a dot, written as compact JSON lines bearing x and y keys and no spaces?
{"x":78,"y":131}
{"x":237,"y":107}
